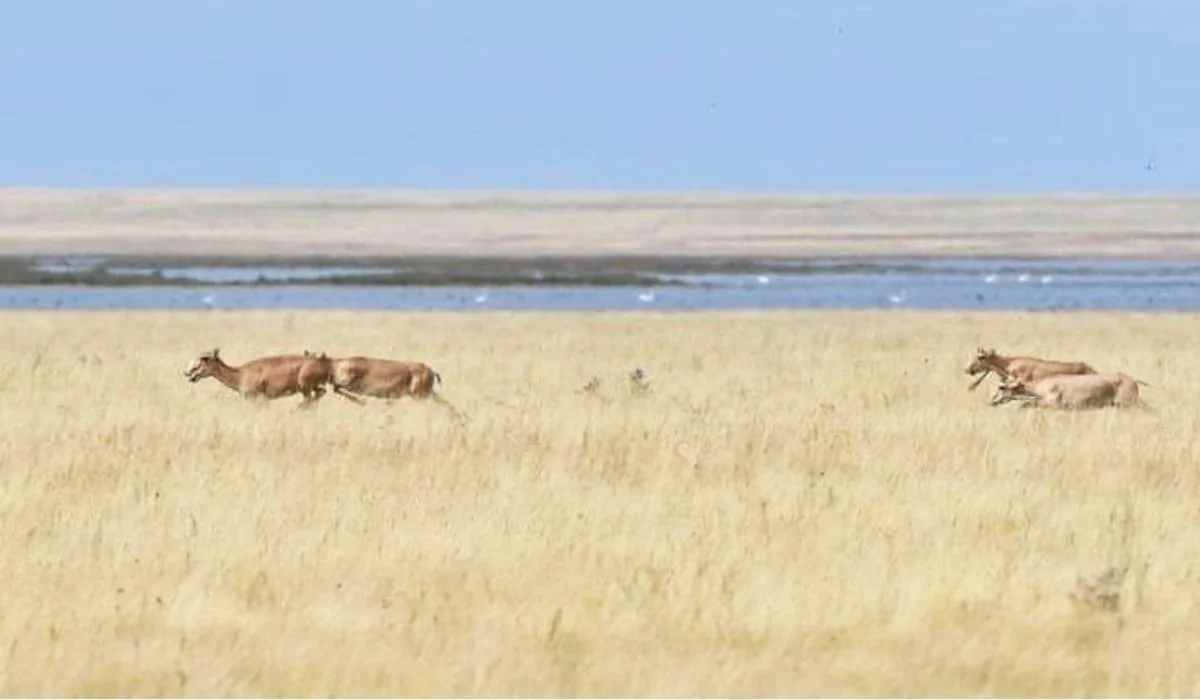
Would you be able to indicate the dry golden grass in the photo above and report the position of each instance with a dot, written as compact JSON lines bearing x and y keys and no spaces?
{"x":804,"y":503}
{"x":382,"y":222}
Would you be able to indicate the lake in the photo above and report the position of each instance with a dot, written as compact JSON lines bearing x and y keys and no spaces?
{"x":909,"y":284}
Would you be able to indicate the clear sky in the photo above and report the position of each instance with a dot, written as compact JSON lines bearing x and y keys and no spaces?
{"x":740,"y":95}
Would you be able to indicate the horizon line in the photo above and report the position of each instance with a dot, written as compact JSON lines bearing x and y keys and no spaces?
{"x":597,"y":192}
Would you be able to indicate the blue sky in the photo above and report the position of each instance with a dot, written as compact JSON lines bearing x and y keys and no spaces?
{"x":747,"y":95}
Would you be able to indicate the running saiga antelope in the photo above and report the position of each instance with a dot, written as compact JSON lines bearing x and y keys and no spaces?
{"x":1021,"y":367}
{"x":1072,"y":391}
{"x":355,"y":377}
{"x":265,"y":378}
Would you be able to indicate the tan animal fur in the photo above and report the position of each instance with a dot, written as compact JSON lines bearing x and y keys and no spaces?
{"x":265,"y":378}
{"x":1021,"y":367}
{"x":355,"y":377}
{"x":1071,"y":391}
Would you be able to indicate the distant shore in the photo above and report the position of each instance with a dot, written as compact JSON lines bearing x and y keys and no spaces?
{"x":535,"y":271}
{"x":372,"y":224}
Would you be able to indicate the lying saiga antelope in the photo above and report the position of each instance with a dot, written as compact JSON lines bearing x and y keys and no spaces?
{"x":354,"y":377}
{"x":1024,"y":368}
{"x":265,"y":378}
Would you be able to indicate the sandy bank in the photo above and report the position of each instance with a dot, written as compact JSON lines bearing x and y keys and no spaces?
{"x":368,"y":223}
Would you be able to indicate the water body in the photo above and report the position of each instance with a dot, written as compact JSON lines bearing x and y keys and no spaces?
{"x":910,"y":284}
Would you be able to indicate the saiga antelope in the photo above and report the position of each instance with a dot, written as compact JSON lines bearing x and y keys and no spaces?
{"x":265,"y":378}
{"x":355,"y":377}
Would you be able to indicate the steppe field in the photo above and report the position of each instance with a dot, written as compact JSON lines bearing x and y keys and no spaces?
{"x":803,"y":503}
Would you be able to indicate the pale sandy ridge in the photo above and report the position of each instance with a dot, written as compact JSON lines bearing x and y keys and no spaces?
{"x":381,"y":222}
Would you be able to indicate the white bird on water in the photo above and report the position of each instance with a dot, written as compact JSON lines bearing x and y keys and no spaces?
{"x":899,"y":298}
{"x":764,"y":279}
{"x":209,"y":300}
{"x":479,"y":299}
{"x":646,"y":297}
{"x":989,"y":279}
{"x":1047,"y":279}
{"x":1023,"y":277}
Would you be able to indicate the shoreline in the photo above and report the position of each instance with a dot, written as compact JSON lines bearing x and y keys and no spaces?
{"x":176,"y":270}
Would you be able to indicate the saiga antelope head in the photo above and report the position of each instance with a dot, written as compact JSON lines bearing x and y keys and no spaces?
{"x":203,"y":366}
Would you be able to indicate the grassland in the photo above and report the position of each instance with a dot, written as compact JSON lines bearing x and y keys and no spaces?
{"x":803,"y":504}
{"x":375,"y":223}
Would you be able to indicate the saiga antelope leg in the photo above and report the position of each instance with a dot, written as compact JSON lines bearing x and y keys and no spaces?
{"x":981,"y":378}
{"x":456,"y":413}
{"x":257,"y":400}
{"x":348,"y":396}
{"x":311,"y":399}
